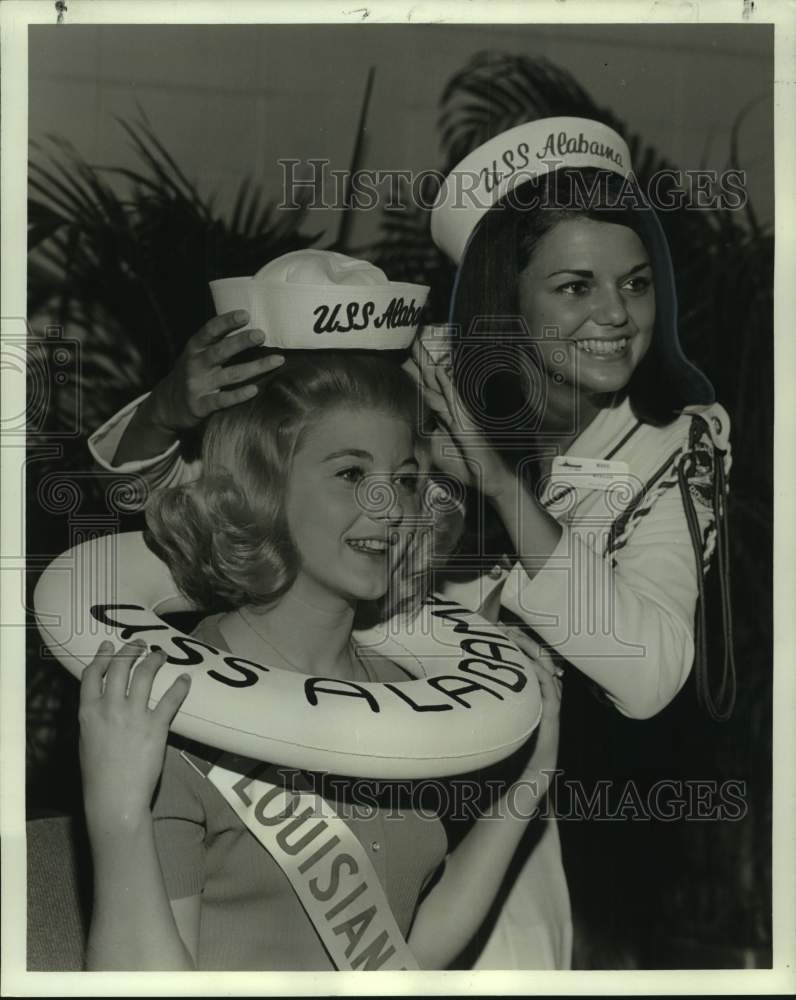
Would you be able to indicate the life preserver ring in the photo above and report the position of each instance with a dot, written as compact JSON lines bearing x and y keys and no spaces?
{"x":473,"y":699}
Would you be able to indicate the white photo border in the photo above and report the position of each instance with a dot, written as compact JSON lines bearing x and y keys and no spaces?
{"x":15,"y":17}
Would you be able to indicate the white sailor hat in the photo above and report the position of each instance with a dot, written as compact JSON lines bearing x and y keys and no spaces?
{"x":491,"y":171}
{"x":319,"y":299}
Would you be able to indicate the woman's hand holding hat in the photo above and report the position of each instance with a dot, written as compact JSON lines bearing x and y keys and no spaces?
{"x":199,"y":382}
{"x":459,"y":446}
{"x":304,"y":300}
{"x":445,"y":452}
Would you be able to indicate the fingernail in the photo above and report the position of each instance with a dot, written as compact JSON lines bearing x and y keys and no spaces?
{"x":241,"y":314}
{"x":257,"y":336}
{"x":278,"y":359}
{"x":105,"y":644}
{"x":185,"y":677}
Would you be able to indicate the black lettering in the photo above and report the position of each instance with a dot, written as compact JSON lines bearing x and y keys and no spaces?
{"x":549,"y":148}
{"x":351,"y":311}
{"x":367,"y":311}
{"x":333,"y":324}
{"x":312,"y":687}
{"x":186,"y":644}
{"x":407,"y":314}
{"x":417,"y":708}
{"x":491,"y":651}
{"x":491,"y":177}
{"x":319,"y":326}
{"x":386,"y":316}
{"x":453,"y":614}
{"x":519,"y":682}
{"x":100,"y":613}
{"x":461,"y":688}
{"x":484,"y":175}
{"x":248,"y":677}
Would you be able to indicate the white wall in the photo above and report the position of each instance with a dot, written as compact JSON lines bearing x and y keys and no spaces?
{"x":228,"y":100}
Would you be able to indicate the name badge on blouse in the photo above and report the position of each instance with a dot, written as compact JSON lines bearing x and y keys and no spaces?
{"x":568,"y":473}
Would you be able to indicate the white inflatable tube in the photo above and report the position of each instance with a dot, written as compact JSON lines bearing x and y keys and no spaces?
{"x":474,"y":698}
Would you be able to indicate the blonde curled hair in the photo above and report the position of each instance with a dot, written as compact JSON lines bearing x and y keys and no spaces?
{"x":225,"y":536}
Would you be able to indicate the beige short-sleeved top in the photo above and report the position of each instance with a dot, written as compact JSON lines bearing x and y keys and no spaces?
{"x":250,"y":916}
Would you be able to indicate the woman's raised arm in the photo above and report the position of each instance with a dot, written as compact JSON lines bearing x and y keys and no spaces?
{"x":122,"y":746}
{"x":456,"y":907}
{"x":191,"y":391}
{"x":625,"y":618}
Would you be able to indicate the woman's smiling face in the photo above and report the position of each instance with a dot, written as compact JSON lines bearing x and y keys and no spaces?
{"x":353,"y":483}
{"x":591,"y":283}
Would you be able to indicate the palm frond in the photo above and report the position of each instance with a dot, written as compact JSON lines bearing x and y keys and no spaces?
{"x":43,"y":223}
{"x":497,"y":90}
{"x":141,"y":260}
{"x":161,"y":164}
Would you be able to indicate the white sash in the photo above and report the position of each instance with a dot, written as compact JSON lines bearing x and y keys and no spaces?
{"x":326,"y":865}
